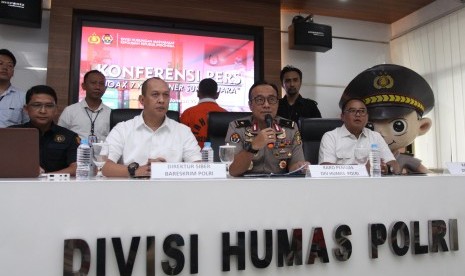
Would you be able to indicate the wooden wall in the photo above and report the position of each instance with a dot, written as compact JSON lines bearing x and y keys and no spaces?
{"x":264,"y":13}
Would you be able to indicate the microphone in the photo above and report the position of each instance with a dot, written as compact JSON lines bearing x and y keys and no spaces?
{"x":269,"y":123}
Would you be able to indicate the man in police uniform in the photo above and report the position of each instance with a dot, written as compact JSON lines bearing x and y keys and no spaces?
{"x":396,"y":98}
{"x":58,"y":145}
{"x":259,"y":147}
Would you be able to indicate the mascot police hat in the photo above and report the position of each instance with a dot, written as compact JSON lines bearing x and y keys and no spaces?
{"x":389,"y":91}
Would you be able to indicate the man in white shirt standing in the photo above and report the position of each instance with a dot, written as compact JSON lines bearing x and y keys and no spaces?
{"x":89,"y":118}
{"x":150,"y":136}
{"x":338,"y":146}
{"x":12,"y":99}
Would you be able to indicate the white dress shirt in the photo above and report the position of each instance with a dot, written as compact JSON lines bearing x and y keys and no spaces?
{"x":338,"y":146}
{"x":12,"y":103}
{"x":134,"y":141}
{"x":78,"y":118}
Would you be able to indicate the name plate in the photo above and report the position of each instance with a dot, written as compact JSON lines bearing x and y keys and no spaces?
{"x":338,"y":170}
{"x":456,"y":168}
{"x":162,"y":170}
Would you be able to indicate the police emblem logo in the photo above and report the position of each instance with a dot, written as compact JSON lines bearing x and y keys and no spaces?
{"x":59,"y":138}
{"x":282,"y":164}
{"x":235,"y":137}
{"x":107,"y":39}
{"x":383,"y":81}
{"x":93,"y":39}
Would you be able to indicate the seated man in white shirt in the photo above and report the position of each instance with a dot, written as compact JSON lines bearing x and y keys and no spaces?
{"x":89,"y":118}
{"x":149,"y":137}
{"x":338,"y":146}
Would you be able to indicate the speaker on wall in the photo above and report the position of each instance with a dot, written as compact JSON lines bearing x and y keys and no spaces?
{"x":310,"y":36}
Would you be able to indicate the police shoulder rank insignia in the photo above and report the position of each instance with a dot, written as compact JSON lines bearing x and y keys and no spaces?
{"x":286,"y":123}
{"x":59,"y":138}
{"x":235,"y":137}
{"x":243,"y":123}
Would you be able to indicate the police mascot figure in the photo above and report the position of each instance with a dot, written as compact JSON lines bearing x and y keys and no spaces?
{"x":397,"y":98}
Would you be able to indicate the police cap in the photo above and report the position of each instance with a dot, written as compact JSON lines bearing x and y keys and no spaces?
{"x":390,"y":91}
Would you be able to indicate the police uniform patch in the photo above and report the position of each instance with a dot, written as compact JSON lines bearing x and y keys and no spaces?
{"x":243,"y":123}
{"x":235,"y":137}
{"x":282,"y":164}
{"x":59,"y":138}
{"x":298,"y":138}
{"x":286,"y":123}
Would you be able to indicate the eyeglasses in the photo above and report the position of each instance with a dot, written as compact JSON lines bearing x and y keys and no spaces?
{"x":39,"y":106}
{"x":354,"y":112}
{"x":260,"y":100}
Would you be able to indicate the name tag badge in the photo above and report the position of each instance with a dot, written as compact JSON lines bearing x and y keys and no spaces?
{"x":198,"y":170}
{"x":328,"y":171}
{"x":92,"y":139}
{"x":456,"y":168}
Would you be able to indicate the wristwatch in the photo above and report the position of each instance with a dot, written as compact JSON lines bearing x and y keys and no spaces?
{"x":248,"y":147}
{"x":132,"y":169}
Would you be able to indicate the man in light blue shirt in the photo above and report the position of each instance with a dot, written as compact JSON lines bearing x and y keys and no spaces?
{"x":12,"y":99}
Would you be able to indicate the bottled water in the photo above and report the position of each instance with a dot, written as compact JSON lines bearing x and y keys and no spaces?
{"x":207,"y":153}
{"x":375,"y":161}
{"x":83,"y":161}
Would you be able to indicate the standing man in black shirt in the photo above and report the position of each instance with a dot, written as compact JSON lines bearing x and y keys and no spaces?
{"x":293,"y":105}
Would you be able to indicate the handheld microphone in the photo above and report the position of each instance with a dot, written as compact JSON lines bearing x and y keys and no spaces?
{"x":269,"y":123}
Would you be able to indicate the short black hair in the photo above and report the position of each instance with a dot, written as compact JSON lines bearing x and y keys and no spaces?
{"x":258,"y":83}
{"x":208,"y":88}
{"x":92,"y":72}
{"x":289,"y":68}
{"x":349,"y":100}
{"x":41,"y":89}
{"x":5,"y":52}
